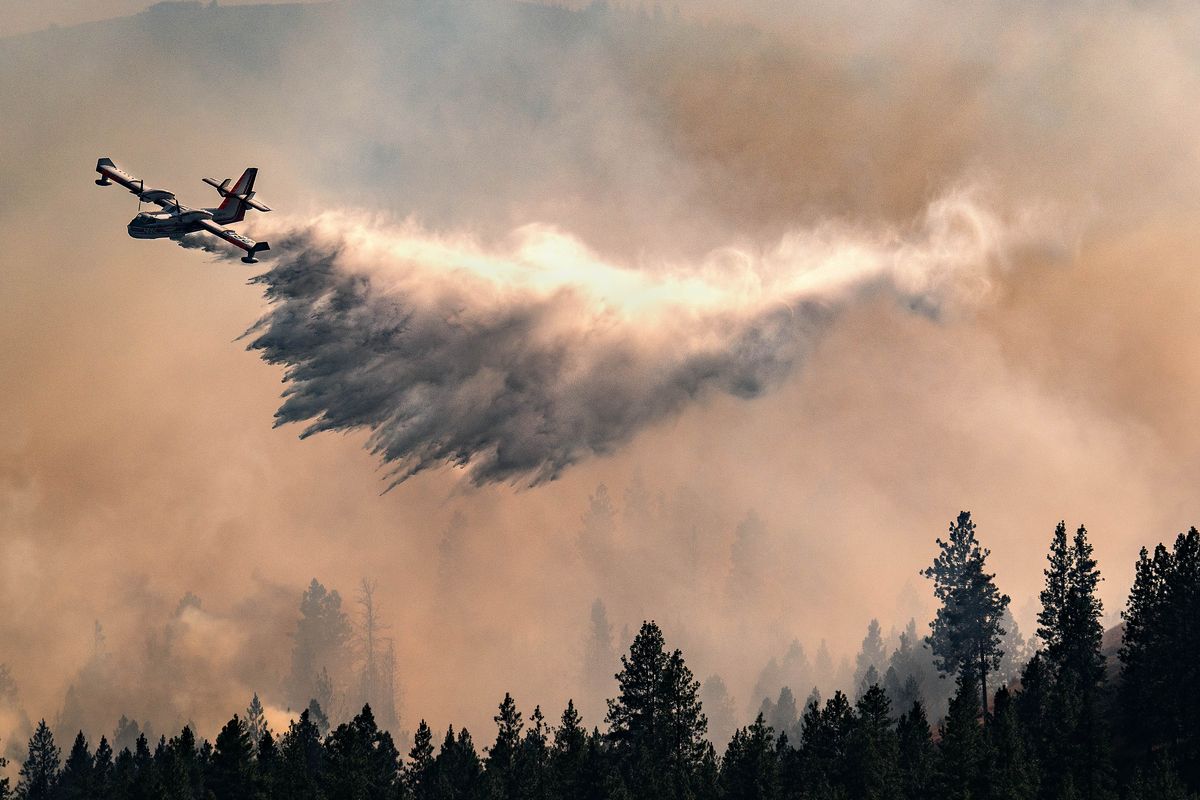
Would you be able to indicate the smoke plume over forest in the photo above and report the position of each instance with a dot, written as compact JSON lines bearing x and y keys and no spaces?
{"x":713,"y":316}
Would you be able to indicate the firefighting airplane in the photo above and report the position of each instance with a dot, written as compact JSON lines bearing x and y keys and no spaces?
{"x":175,"y":220}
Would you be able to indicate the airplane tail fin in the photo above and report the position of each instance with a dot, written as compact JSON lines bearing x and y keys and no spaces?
{"x":238,"y":198}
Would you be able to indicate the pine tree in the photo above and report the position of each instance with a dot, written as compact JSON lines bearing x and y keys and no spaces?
{"x":824,"y":744}
{"x":322,"y":633}
{"x":633,"y":716}
{"x":102,"y":766}
{"x":418,"y":772}
{"x":783,"y":716}
{"x":916,"y":754}
{"x":75,"y":781}
{"x":181,"y":771}
{"x":1072,"y":734}
{"x":533,"y":759}
{"x":962,"y":750}
{"x":683,"y":722}
{"x":872,"y":655}
{"x":268,"y":764}
{"x":1051,"y":619}
{"x":1032,"y":705}
{"x":750,"y":768}
{"x":231,"y":772}
{"x":569,"y":756}
{"x":1158,"y":655}
{"x":256,"y":721}
{"x":656,"y":725}
{"x":870,"y":679}
{"x":362,"y":761}
{"x":501,"y":771}
{"x":457,"y":768}
{"x":147,"y":781}
{"x":303,"y":759}
{"x":318,"y":716}
{"x":1010,"y":773}
{"x":873,"y":754}
{"x":966,"y":632}
{"x":1069,"y":622}
{"x":126,"y":735}
{"x":39,"y":773}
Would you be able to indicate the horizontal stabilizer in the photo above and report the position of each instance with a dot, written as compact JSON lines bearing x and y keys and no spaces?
{"x":251,"y":247}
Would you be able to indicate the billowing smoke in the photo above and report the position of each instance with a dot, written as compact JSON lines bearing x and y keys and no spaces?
{"x":517,"y":360}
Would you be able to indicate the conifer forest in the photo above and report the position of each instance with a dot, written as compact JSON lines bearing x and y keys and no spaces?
{"x":1077,"y":718}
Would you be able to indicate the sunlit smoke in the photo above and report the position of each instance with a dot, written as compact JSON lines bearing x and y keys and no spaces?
{"x":517,"y":360}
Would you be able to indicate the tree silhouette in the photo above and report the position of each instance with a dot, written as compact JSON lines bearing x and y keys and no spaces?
{"x":362,"y":761}
{"x":750,"y":767}
{"x":75,"y":781}
{"x":231,"y":772}
{"x":1158,"y":654}
{"x":418,"y":775}
{"x":966,"y":632}
{"x":39,"y":773}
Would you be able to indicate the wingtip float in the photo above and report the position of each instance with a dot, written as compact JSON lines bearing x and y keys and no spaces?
{"x":176,"y":220}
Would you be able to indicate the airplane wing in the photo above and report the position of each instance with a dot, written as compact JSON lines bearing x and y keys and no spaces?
{"x":110,"y":172}
{"x":236,"y":239}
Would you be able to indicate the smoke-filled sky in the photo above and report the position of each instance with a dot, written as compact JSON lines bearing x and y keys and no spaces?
{"x":838,"y":269}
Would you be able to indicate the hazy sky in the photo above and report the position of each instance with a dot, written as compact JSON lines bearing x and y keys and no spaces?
{"x":850,"y":268}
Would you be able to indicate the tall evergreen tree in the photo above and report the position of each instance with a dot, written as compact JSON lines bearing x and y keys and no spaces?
{"x":916,"y":754}
{"x":533,"y":759}
{"x":750,"y":768}
{"x":147,"y":780}
{"x":268,"y":764}
{"x":966,"y":632}
{"x":182,"y":771}
{"x":256,"y":720}
{"x":231,"y":772}
{"x":39,"y":773}
{"x":1158,"y":655}
{"x":418,"y":772}
{"x":872,"y":654}
{"x":1075,"y":752}
{"x":1011,"y":774}
{"x":873,"y":755}
{"x":303,"y":759}
{"x":782,"y":715}
{"x":457,"y":768}
{"x":322,"y":633}
{"x":75,"y":780}
{"x":656,"y":725}
{"x":910,"y":669}
{"x":362,"y":761}
{"x":102,"y":766}
{"x":1069,"y":622}
{"x":824,"y":744}
{"x":124,"y":776}
{"x":569,"y":757}
{"x":502,"y":775}
{"x":962,"y":750}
